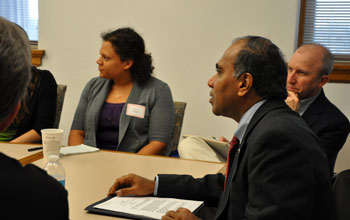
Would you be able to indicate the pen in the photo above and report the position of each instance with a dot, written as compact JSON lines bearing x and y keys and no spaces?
{"x":35,"y":148}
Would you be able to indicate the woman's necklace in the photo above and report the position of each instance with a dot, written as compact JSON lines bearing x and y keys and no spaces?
{"x":117,"y":94}
{"x":124,"y":91}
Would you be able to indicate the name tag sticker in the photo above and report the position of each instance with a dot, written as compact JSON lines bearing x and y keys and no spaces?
{"x":135,"y":110}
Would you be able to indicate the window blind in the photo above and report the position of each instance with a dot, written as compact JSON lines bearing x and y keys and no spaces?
{"x":327,"y":22}
{"x":22,"y":12}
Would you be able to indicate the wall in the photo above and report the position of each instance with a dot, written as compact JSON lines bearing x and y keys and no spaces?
{"x":185,"y":37}
{"x":337,"y":93}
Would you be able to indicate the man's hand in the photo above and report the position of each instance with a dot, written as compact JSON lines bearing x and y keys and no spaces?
{"x":180,"y":214}
{"x":223,"y":139}
{"x":293,"y":101}
{"x":132,"y":184}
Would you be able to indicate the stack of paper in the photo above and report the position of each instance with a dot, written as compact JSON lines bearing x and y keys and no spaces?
{"x":79,"y":149}
{"x":141,"y":207}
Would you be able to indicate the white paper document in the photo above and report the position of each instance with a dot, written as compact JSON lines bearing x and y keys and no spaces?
{"x":79,"y":149}
{"x":149,"y":207}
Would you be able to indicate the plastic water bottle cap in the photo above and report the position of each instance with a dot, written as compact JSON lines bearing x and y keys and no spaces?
{"x":53,"y":158}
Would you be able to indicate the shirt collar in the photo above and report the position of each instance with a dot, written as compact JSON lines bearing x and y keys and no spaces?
{"x":248,"y":115}
{"x":305,"y":103}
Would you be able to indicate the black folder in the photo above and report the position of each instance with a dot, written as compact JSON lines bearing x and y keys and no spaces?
{"x":91,"y":209}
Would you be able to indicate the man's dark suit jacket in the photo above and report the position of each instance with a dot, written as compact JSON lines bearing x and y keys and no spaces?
{"x":329,"y":124}
{"x":279,"y":172}
{"x":29,"y":193}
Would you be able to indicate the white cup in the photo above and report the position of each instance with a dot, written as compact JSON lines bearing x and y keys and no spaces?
{"x":52,"y":140}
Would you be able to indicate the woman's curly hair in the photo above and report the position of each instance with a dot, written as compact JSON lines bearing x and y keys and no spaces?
{"x":129,"y":45}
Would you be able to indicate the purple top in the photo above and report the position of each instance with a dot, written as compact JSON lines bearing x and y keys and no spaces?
{"x":108,"y":126}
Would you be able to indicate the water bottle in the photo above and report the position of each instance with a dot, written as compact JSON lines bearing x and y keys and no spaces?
{"x":55,"y":169}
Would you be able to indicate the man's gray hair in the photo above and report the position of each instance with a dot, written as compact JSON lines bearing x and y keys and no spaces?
{"x":327,"y":61}
{"x":15,"y":66}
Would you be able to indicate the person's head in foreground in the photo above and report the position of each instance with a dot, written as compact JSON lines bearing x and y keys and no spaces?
{"x":15,"y":64}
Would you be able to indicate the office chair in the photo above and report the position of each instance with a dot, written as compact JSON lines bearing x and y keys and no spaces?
{"x":179,"y":116}
{"x":61,"y":91}
{"x":341,"y":189}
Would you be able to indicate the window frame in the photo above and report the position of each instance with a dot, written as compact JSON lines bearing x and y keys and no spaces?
{"x":37,"y":56}
{"x":341,"y":71}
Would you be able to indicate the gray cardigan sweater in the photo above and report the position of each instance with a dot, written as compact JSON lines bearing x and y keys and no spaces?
{"x":134,"y":132}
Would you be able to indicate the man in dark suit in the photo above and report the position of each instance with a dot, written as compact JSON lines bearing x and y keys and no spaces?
{"x":26,"y":192}
{"x":308,"y":71}
{"x":276,"y":169}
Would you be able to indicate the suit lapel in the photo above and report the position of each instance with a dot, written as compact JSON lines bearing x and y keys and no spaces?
{"x":125,"y":119}
{"x":315,"y":110}
{"x":259,"y":114}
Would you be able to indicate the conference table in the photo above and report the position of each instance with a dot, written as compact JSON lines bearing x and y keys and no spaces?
{"x":20,"y":152}
{"x":90,"y":175}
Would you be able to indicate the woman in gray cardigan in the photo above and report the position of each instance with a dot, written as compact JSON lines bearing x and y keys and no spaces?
{"x":125,"y":108}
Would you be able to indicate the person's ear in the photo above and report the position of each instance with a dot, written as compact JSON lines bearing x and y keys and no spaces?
{"x":245,"y":84}
{"x":128,"y":64}
{"x":323,"y":80}
{"x":8,"y":120}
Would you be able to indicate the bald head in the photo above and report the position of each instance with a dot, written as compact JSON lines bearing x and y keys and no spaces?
{"x":308,"y":70}
{"x":319,"y":55}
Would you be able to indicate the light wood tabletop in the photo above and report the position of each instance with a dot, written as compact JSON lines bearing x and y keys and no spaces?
{"x":20,"y":152}
{"x":89,"y":176}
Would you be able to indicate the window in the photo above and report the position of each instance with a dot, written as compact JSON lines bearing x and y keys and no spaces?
{"x":24,"y":13}
{"x":327,"y":22}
